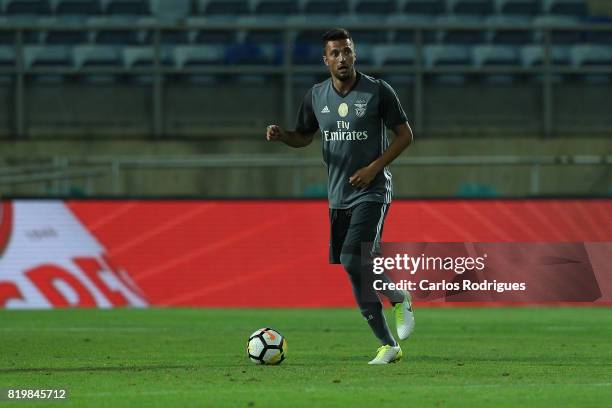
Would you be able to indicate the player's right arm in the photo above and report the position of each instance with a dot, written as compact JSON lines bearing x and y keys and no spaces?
{"x":305,"y":127}
{"x":291,"y":138}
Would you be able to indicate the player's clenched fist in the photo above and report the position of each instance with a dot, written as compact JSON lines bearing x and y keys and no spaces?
{"x":274,"y":132}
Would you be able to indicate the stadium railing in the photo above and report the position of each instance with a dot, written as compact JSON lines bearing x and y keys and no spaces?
{"x":586,"y":59}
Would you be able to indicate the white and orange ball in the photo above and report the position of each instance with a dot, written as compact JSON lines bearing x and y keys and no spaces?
{"x":267,"y":346}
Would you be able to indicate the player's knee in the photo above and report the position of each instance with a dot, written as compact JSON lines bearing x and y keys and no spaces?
{"x":351,"y":264}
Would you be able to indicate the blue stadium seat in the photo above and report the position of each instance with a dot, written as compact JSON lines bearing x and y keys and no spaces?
{"x":27,"y":7}
{"x":393,"y":54}
{"x":193,"y":56}
{"x":591,"y":55}
{"x":86,"y":56}
{"x":264,"y":37}
{"x":408,"y":36}
{"x":480,"y":8}
{"x":558,"y":36}
{"x":230,"y":8}
{"x":462,"y":36}
{"x":77,"y":7}
{"x":7,"y":57}
{"x":307,"y":54}
{"x":133,"y":8}
{"x":424,"y":7}
{"x":245,"y":54}
{"x":533,"y":55}
{"x":375,"y":7}
{"x":47,"y":56}
{"x":516,"y":30}
{"x":527,"y":8}
{"x":144,"y":57}
{"x":599,"y":36}
{"x":486,"y":55}
{"x":273,"y":53}
{"x":446,"y":55}
{"x":275,"y":7}
{"x":328,"y":7}
{"x":573,"y":8}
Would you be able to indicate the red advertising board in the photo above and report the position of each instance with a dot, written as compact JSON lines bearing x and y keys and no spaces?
{"x":249,"y":253}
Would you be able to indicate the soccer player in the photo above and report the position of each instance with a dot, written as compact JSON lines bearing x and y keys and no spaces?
{"x":352,"y":111}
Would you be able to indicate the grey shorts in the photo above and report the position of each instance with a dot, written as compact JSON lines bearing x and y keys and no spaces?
{"x":351,"y":227}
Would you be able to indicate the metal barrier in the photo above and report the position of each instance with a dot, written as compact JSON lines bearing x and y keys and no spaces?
{"x":288,"y":69}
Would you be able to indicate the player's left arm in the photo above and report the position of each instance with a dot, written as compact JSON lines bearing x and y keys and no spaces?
{"x":403,"y":137}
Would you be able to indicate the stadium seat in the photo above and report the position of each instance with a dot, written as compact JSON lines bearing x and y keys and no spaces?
{"x":599,"y":36}
{"x":275,"y":7}
{"x":573,"y":8}
{"x":446,"y":55}
{"x":273,"y":53}
{"x":96,"y":56}
{"x":393,"y":54}
{"x":462,"y":36}
{"x":135,"y":8}
{"x":307,"y":54}
{"x":7,"y":56}
{"x":144,"y":57}
{"x":66,"y":37}
{"x":229,"y":8}
{"x":244,"y":54}
{"x":375,"y":7}
{"x":77,"y":7}
{"x":409,"y":36}
{"x":190,"y":56}
{"x":533,"y":55}
{"x":27,"y":7}
{"x":169,"y":37}
{"x":327,"y":7}
{"x":424,"y":7}
{"x":486,"y":55}
{"x":114,"y":36}
{"x":591,"y":55}
{"x":526,"y":8}
{"x":516,"y":30}
{"x":215,"y":37}
{"x":363,"y":35}
{"x":47,"y":56}
{"x":479,"y":8}
{"x":272,"y":36}
{"x":170,"y":11}
{"x":557,"y":36}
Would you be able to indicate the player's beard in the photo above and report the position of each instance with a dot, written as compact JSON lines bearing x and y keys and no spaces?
{"x":345,"y":75}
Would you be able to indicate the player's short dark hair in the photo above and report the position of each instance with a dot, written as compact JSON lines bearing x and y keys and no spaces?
{"x":334,"y":35}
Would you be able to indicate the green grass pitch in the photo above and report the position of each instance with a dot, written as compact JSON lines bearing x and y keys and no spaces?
{"x":457,"y":357}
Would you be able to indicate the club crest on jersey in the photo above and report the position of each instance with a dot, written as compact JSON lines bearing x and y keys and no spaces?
{"x":360,"y":107}
{"x":343,"y":110}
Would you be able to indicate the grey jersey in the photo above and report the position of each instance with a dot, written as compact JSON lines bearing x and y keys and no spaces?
{"x":353,"y":131}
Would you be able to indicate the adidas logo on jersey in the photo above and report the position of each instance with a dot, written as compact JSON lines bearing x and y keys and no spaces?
{"x":325,"y":109}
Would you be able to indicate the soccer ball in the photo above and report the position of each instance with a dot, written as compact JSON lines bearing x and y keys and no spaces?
{"x":266,"y":346}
